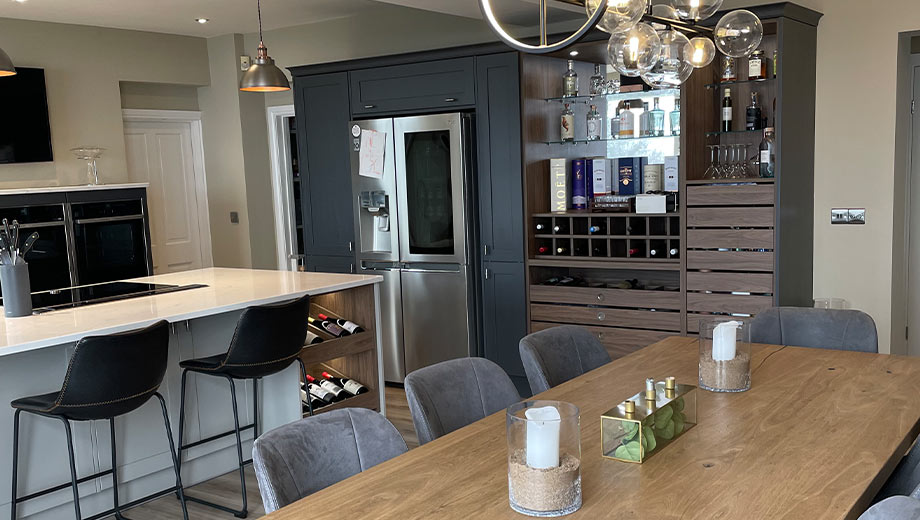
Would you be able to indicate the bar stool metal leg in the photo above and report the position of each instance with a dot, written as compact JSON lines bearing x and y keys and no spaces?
{"x":303,"y":375}
{"x":175,"y":458}
{"x":181,"y":425}
{"x":118,"y":515}
{"x":239,"y":449}
{"x":73,"y":468}
{"x":15,"y":463}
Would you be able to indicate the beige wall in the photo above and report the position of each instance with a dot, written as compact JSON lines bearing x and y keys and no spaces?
{"x":83,"y":68}
{"x":158,"y":96}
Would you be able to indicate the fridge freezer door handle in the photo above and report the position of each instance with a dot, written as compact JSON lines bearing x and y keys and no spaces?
{"x":412,"y":270}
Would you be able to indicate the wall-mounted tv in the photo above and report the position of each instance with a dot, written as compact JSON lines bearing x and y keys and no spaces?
{"x":25,"y":133}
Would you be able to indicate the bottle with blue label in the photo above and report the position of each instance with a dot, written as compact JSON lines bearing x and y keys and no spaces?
{"x":579,"y":185}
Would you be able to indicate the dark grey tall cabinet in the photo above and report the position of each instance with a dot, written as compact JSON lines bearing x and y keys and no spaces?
{"x":483,"y":80}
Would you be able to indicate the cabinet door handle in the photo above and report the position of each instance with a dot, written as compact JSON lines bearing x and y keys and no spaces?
{"x":485,"y":250}
{"x":368,"y":107}
{"x":351,"y":246}
{"x":450,"y":100}
{"x":352,"y":269}
{"x":487,"y":273}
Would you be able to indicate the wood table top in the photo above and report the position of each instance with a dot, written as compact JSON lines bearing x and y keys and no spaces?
{"x":815,"y":437}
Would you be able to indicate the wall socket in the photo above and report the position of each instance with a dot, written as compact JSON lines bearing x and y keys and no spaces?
{"x":234,"y":217}
{"x":848,"y":216}
{"x":245,"y":63}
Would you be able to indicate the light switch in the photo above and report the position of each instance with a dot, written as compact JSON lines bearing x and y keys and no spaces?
{"x":245,"y":63}
{"x":840,"y":216}
{"x":234,"y":217}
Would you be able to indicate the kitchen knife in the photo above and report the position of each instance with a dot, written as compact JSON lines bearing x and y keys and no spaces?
{"x":28,"y":245}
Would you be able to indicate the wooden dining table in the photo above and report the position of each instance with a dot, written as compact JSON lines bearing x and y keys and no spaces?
{"x":815,"y":437}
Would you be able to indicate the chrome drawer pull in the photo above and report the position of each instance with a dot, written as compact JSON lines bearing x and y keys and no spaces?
{"x":601,"y":316}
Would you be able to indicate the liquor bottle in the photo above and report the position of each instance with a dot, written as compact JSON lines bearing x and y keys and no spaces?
{"x":643,"y":121}
{"x":615,"y":125}
{"x":350,"y":385}
{"x":318,"y":391}
{"x":597,"y":228}
{"x":308,"y":399}
{"x":653,"y":252}
{"x":633,"y":251}
{"x":727,"y":111}
{"x":336,"y":391}
{"x":561,"y":227}
{"x":312,"y":338}
{"x":540,"y":226}
{"x":656,"y":121}
{"x":350,"y":326}
{"x":675,"y":118}
{"x":562,"y":250}
{"x":728,"y":69}
{"x":594,"y":124}
{"x":754,"y":112}
{"x":570,"y":81}
{"x":673,"y":252}
{"x":768,"y":154}
{"x":597,"y":81}
{"x":543,"y":250}
{"x":627,"y":123}
{"x":328,"y":326}
{"x":567,"y":128}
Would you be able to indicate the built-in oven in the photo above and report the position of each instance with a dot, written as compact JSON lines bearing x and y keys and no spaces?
{"x":49,"y":266}
{"x":110,"y":240}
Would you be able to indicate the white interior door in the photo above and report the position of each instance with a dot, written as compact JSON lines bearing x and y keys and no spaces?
{"x":913,"y":304}
{"x":160,"y":152}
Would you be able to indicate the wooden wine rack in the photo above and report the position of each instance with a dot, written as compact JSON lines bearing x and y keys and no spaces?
{"x":620,"y":236}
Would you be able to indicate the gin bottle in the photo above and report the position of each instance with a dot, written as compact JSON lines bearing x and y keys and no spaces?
{"x":656,"y":121}
{"x":627,"y":123}
{"x":594,"y":124}
{"x":615,"y":125}
{"x":643,"y":121}
{"x":768,"y":154}
{"x":597,"y":82}
{"x":567,"y":128}
{"x":570,"y":81}
{"x":675,"y":118}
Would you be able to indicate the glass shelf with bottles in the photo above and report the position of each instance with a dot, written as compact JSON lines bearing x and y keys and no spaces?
{"x":712,"y":86}
{"x":619,"y":96}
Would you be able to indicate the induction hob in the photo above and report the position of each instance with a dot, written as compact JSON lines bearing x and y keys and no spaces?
{"x":71,"y":297}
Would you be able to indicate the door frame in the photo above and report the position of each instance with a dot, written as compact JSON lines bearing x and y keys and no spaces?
{"x":279,"y":145}
{"x":193,"y":118}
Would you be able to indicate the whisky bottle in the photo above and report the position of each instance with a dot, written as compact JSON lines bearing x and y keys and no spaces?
{"x":727,"y":111}
{"x":768,"y":154}
{"x":567,"y":128}
{"x":656,"y":121}
{"x":627,"y":123}
{"x":570,"y":81}
{"x":753,"y":119}
{"x":594,"y":124}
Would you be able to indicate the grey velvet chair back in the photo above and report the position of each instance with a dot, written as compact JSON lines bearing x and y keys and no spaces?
{"x":818,"y":328}
{"x":306,"y":456}
{"x":452,"y":394}
{"x":553,"y":356}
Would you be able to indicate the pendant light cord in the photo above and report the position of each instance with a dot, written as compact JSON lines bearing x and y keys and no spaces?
{"x":259,"y":9}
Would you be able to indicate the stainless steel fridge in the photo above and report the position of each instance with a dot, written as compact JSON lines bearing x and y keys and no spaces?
{"x":414,"y":224}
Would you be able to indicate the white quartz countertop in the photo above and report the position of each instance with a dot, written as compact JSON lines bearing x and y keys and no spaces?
{"x":80,"y":187}
{"x":227,"y":290}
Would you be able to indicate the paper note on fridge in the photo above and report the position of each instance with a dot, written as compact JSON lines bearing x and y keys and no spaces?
{"x":371,"y":156}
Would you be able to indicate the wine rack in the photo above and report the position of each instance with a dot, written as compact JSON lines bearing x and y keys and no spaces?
{"x":607,"y":236}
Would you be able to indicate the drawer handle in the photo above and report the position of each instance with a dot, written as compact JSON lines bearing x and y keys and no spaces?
{"x":600,"y":297}
{"x":600,"y":335}
{"x":450,"y":100}
{"x":601,"y":316}
{"x":368,"y":107}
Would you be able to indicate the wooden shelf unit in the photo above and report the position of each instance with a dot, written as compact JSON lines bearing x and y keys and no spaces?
{"x":353,"y":356}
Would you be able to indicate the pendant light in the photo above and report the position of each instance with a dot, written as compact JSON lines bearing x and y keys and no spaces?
{"x":6,"y":65}
{"x":263,"y":75}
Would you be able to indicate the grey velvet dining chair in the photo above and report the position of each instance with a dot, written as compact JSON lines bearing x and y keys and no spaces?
{"x":306,"y":456}
{"x":452,"y":394}
{"x":900,"y":507}
{"x":553,"y":356}
{"x":817,"y":328}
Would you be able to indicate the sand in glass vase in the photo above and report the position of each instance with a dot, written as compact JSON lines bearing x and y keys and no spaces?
{"x":89,"y":154}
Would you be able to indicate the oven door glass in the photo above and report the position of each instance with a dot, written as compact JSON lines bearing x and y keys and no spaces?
{"x":113,"y":250}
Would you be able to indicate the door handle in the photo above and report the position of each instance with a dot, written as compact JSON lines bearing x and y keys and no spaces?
{"x":352,"y":269}
{"x":485,"y":250}
{"x":487,"y":273}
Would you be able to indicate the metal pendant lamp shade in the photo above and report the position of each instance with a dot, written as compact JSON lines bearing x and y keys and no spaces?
{"x":263,"y":75}
{"x":6,"y":65}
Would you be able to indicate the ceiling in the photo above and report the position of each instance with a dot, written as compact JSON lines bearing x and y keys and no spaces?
{"x":239,"y":16}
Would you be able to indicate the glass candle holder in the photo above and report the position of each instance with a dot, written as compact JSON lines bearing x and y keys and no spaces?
{"x":544,"y":458}
{"x":725,"y":354}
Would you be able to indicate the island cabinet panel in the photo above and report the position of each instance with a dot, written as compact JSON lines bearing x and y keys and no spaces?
{"x":321,"y":103}
{"x":442,"y":84}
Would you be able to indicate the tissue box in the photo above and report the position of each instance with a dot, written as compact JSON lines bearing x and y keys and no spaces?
{"x":652,"y":426}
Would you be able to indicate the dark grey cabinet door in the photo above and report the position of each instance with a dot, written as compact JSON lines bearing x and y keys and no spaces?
{"x":331,"y":264}
{"x":498,"y":111}
{"x":504,"y":310}
{"x":321,"y":106}
{"x":417,"y":87}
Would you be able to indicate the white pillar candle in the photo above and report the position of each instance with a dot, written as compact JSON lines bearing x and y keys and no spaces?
{"x":543,"y":437}
{"x":724,"y":339}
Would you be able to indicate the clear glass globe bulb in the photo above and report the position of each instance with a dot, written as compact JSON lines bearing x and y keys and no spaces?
{"x":673,"y":66}
{"x":700,"y":52}
{"x":620,"y":15}
{"x":634,"y":51}
{"x":696,"y":9}
{"x":665,"y":11}
{"x":738,"y":33}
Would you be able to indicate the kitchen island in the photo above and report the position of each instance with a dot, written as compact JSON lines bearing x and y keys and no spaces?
{"x":35,"y":350}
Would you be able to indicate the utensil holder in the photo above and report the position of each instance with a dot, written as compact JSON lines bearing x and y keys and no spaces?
{"x":544,"y":458}
{"x":17,"y":295}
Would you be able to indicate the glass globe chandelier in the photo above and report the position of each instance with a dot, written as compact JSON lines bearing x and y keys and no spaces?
{"x":663,"y":58}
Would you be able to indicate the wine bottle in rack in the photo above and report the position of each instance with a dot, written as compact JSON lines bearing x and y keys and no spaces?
{"x":318,"y":391}
{"x":337,"y":392}
{"x":653,"y":252}
{"x":597,"y":228}
{"x":348,"y":325}
{"x":328,"y":326}
{"x":674,"y":252}
{"x":543,"y":250}
{"x":633,"y":251}
{"x":562,"y":250}
{"x":309,"y":399}
{"x":561,"y":228}
{"x":540,"y":227}
{"x":350,"y":385}
{"x":312,"y":338}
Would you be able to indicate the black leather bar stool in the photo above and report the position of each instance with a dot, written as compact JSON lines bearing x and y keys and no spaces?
{"x":267,"y":340}
{"x":108,"y":376}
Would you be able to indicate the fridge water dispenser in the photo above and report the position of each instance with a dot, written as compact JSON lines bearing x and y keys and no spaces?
{"x":374,"y":222}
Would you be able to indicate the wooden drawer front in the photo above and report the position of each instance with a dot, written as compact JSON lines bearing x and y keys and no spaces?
{"x":730,"y":217}
{"x":606,"y":316}
{"x":612,"y":297}
{"x":730,"y":238}
{"x":753,"y":195}
{"x":730,"y":282}
{"x":730,"y":260}
{"x":435,"y":84}
{"x":618,"y":342}
{"x":729,"y":303}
